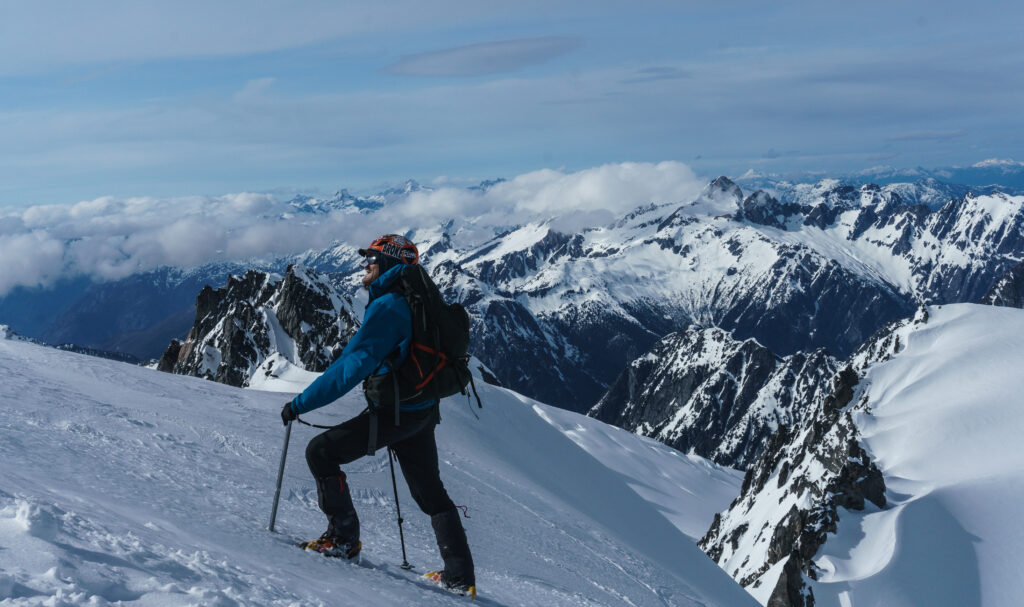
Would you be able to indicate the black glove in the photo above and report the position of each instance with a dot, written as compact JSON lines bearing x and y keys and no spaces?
{"x":288,"y":414}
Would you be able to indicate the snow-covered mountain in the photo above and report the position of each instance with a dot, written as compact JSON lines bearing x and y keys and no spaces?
{"x":951,"y":254}
{"x":122,"y":485}
{"x":820,"y":265}
{"x":984,"y":177}
{"x":346,"y":202}
{"x":704,"y":392}
{"x":261,"y":325}
{"x":826,"y":269}
{"x":901,"y":488}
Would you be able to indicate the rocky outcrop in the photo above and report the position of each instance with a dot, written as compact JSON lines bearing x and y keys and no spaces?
{"x":1008,"y":291}
{"x":953,"y":252}
{"x":793,"y":495}
{"x":299,"y":316}
{"x":169,"y":357}
{"x":702,"y":391}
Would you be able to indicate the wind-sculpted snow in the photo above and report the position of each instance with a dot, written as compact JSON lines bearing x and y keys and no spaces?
{"x":902,"y":487}
{"x":943,"y":423}
{"x":791,"y":494}
{"x":122,"y":485}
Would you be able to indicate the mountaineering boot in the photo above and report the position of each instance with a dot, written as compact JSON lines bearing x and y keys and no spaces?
{"x":335,"y":500}
{"x":332,"y":546}
{"x":438,"y":577}
{"x":458,"y":574}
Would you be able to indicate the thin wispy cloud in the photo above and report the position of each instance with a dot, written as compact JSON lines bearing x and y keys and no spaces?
{"x":47,"y":34}
{"x":299,"y":96}
{"x":927,"y":136}
{"x":485,"y":58}
{"x":110,"y":238}
{"x":654,"y":74}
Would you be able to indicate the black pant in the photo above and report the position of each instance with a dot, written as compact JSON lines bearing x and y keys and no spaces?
{"x":414,"y":445}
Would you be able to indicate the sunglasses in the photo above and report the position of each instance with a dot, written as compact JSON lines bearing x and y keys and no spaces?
{"x":368,"y":261}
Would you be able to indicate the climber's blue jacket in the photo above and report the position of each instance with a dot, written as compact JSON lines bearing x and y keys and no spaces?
{"x":387,"y":327}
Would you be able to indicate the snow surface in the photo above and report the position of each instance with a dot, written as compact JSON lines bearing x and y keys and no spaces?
{"x":123,"y":485}
{"x":944,"y":424}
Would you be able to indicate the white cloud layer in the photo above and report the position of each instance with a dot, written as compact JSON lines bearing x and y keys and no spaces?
{"x":110,"y":238}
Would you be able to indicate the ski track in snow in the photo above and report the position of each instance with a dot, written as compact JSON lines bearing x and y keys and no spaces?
{"x":123,"y":485}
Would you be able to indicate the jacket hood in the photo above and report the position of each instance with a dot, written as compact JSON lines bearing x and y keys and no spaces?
{"x":385,"y":281}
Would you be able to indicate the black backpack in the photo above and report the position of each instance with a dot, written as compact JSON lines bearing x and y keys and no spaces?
{"x":438,"y":362}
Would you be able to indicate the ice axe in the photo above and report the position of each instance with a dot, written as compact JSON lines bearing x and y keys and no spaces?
{"x":280,"y":474}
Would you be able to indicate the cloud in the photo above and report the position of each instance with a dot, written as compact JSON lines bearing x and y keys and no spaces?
{"x":47,"y":34}
{"x":572,"y":200}
{"x":254,"y":89}
{"x":927,"y":136}
{"x":30,"y":259}
{"x":652,"y":74}
{"x":498,"y":57}
{"x":109,"y":238}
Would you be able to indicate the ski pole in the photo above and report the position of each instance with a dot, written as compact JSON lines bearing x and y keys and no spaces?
{"x":280,"y":475}
{"x":401,"y":535}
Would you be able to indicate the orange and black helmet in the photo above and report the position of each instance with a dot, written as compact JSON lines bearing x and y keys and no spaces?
{"x":399,"y":248}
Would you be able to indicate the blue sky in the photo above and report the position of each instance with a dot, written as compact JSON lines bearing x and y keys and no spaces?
{"x":207,"y":98}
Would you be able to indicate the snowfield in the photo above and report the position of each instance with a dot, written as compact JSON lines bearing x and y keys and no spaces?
{"x":123,"y":485}
{"x":944,"y":424}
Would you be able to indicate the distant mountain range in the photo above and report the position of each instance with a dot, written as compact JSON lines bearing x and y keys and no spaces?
{"x":986,"y":176}
{"x":797,"y":268}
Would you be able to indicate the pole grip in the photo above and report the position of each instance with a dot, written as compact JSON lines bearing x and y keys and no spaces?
{"x":280,"y":474}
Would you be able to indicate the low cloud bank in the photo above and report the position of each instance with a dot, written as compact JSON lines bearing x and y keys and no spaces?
{"x":110,"y":238}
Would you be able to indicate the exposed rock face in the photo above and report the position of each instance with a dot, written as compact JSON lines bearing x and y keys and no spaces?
{"x":704,"y":392}
{"x":1008,"y":291}
{"x":825,"y":267}
{"x":300,"y":317}
{"x":791,"y":496}
{"x":953,"y":253}
{"x":170,"y":357}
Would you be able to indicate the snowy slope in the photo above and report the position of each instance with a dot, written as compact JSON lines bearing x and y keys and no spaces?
{"x":124,"y":485}
{"x":944,"y":424}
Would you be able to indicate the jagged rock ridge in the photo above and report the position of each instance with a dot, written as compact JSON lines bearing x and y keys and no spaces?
{"x":259,"y":321}
{"x":823,"y":269}
{"x":1008,"y":291}
{"x":704,"y":392}
{"x":791,"y":496}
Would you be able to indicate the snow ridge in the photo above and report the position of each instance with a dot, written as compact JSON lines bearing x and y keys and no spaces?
{"x":122,"y":485}
{"x":870,"y":499}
